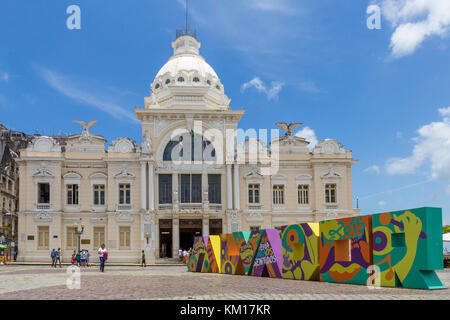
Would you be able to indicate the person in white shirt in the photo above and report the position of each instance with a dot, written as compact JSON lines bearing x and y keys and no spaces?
{"x":180,"y":254}
{"x":103,"y":254}
{"x":185,"y":255}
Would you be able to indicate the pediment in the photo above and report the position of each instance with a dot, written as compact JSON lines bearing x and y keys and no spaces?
{"x":71,"y":175}
{"x":43,"y":173}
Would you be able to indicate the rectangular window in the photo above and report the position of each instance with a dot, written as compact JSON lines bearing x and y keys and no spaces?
{"x":303,"y":194}
{"x":124,"y":237}
{"x":214,"y":190}
{"x":43,"y":192}
{"x":190,"y":188}
{"x":165,"y":188}
{"x":124,"y":193}
{"x":99,"y":237}
{"x":43,"y":238}
{"x":72,"y":194}
{"x":253,"y":193}
{"x":330,"y":193}
{"x":278,"y":194}
{"x":72,"y":239}
{"x":99,"y":194}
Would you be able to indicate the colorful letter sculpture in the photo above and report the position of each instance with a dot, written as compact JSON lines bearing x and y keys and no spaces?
{"x":345,"y":250}
{"x":229,"y":255}
{"x":213,"y":252}
{"x":268,"y":258}
{"x":300,"y":248}
{"x":248,"y":250}
{"x":198,"y":260}
{"x":391,"y":249}
{"x":407,"y":247}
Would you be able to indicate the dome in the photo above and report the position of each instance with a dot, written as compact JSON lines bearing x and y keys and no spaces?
{"x":188,"y":63}
{"x":187,"y":80}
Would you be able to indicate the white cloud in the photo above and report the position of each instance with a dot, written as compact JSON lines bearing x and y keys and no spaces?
{"x":260,"y":86}
{"x":431,"y":146}
{"x":414,"y":21}
{"x":86,"y":96}
{"x":373,"y":169}
{"x":382,"y":204}
{"x":310,"y":135}
{"x":309,"y":86}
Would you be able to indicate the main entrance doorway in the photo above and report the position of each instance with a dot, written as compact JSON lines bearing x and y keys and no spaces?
{"x":189,"y":229}
{"x":165,"y":238}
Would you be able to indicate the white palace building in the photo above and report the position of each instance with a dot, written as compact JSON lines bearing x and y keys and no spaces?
{"x":186,"y":178}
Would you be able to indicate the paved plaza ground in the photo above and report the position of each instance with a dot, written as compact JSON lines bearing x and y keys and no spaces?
{"x":174,"y":282}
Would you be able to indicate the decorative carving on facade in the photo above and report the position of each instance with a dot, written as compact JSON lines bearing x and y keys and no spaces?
{"x":124,"y":216}
{"x":43,"y":173}
{"x":44,"y":144}
{"x":123,"y":145}
{"x":329,"y":146}
{"x":147,"y":144}
{"x":43,"y":216}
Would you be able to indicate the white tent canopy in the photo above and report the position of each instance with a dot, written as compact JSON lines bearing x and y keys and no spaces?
{"x":446,"y":237}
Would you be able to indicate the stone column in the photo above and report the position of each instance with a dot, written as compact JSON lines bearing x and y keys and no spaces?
{"x":151,"y":187}
{"x":229,"y":188}
{"x":205,"y":226}
{"x":175,"y":236}
{"x":143,"y":186}
{"x":175,"y":191}
{"x":236,"y":187}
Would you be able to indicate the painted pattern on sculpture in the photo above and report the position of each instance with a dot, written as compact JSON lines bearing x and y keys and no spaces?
{"x":345,"y":250}
{"x":248,"y":250}
{"x":198,"y":255}
{"x":229,"y":255}
{"x":213,"y":254}
{"x":399,"y":237}
{"x":268,"y":259}
{"x":300,"y":248}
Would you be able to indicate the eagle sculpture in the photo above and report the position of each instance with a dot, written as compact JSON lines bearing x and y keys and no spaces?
{"x":85,"y":126}
{"x":288,"y":128}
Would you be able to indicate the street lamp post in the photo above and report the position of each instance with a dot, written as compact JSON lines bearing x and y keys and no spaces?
{"x":79,"y":233}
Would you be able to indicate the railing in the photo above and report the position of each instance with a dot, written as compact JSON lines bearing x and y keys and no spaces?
{"x":43,"y":206}
{"x":166,"y":206}
{"x":191,"y":206}
{"x":331,"y":206}
{"x":124,"y":207}
{"x":184,"y":32}
{"x":215,"y":206}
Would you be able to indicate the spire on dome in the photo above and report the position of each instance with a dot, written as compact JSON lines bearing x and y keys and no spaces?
{"x":187,"y":30}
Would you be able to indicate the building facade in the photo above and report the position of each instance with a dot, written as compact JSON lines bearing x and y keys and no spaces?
{"x":188,"y":177}
{"x":10,"y":143}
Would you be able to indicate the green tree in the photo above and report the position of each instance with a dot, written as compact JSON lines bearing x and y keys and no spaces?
{"x":445,"y":229}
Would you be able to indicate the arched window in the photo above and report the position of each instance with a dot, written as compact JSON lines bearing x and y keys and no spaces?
{"x":189,"y":147}
{"x":157,"y":86}
{"x":180,"y":79}
{"x":196,"y":79}
{"x":167,"y":81}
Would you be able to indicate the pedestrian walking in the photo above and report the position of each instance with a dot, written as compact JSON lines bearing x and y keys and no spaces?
{"x":88,"y":255}
{"x":74,"y":257}
{"x":83,"y":258}
{"x":143,"y":259}
{"x":78,"y":258}
{"x":185,"y":256}
{"x":58,"y":257}
{"x":103,"y":255}
{"x":53,"y":256}
{"x":180,"y":254}
{"x":15,"y":255}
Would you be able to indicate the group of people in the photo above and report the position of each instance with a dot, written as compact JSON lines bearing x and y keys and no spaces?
{"x":82,"y":257}
{"x":184,"y":255}
{"x":56,"y":257}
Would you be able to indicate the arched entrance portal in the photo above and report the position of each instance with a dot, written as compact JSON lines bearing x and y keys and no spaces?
{"x":189,"y":229}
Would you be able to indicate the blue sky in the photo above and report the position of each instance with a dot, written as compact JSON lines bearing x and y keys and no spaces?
{"x":383,"y":93}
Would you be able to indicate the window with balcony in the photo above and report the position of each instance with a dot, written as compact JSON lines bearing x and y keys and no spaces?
{"x":330,"y":193}
{"x":253,"y":193}
{"x":124,"y":193}
{"x":303,"y":194}
{"x":190,"y":188}
{"x":214,"y":190}
{"x":278,"y":194}
{"x":165,"y":188}
{"x":99,"y":194}
{"x":44,"y":193}
{"x":72,"y":194}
